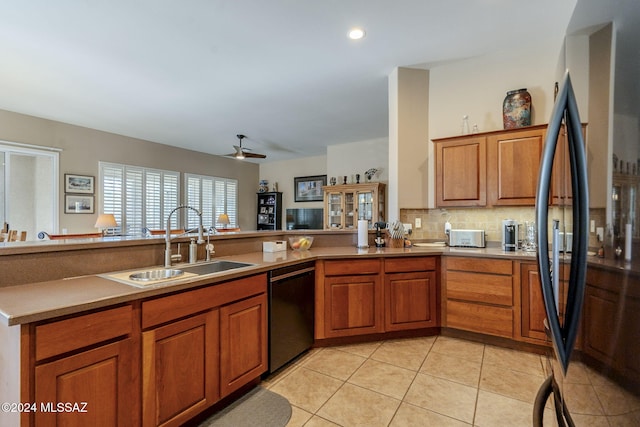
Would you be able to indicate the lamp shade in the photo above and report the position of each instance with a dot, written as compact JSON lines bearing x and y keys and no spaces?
{"x":106,"y":221}
{"x":224,"y":219}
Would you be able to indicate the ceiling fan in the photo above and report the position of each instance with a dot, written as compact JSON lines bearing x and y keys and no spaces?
{"x":242,"y":153}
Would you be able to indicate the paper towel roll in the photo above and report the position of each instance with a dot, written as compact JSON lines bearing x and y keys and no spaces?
{"x":363,"y":233}
{"x":628,"y":237}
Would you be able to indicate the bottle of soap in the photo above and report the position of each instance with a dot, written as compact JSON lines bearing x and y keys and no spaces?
{"x":193,"y":252}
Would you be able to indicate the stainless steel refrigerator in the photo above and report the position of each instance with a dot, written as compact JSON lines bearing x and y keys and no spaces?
{"x":593,"y":235}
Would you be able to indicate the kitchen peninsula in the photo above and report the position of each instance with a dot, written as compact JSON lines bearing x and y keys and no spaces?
{"x":106,"y":326}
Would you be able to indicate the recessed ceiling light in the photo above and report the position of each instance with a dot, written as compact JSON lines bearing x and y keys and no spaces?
{"x":356,"y":33}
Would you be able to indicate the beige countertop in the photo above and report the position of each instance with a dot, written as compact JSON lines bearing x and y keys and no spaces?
{"x":41,"y":301}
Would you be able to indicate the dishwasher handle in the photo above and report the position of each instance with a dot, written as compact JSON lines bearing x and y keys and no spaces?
{"x":291,"y":274}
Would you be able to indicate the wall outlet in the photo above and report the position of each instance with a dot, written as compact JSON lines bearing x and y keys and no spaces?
{"x":407,"y":228}
{"x":418,"y":223}
{"x":600,"y":234}
{"x":593,"y":226}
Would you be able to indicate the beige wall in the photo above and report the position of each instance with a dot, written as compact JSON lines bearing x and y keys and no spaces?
{"x":409,"y":175}
{"x":283,"y":173}
{"x":83,"y":148}
{"x":476,"y":87}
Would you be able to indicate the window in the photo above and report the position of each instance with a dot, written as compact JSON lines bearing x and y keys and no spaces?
{"x":213,"y":196}
{"x":139,"y":197}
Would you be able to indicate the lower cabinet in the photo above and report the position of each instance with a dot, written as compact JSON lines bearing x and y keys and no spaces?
{"x":532,"y":311}
{"x":166,"y":358}
{"x":352,"y":302}
{"x":200,"y":345}
{"x":532,"y":304}
{"x":243,"y":342}
{"x":369,"y":296}
{"x":88,"y":365}
{"x":95,"y":388}
{"x":410,"y":293}
{"x":180,"y":369}
{"x":478,"y":295}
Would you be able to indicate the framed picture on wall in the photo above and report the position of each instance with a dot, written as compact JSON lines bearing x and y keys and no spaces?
{"x":309,"y":188}
{"x":78,"y":204}
{"x":83,"y":184}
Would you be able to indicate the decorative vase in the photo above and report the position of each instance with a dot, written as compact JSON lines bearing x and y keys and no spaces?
{"x":516,"y":109}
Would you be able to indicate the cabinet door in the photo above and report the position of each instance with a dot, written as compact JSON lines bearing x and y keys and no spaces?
{"x":461,"y":172}
{"x":601,"y":310}
{"x":410,"y":301}
{"x":353,"y":305}
{"x":333,"y":210}
{"x":513,"y":163}
{"x":180,"y":370}
{"x":102,"y":378}
{"x":532,"y":303}
{"x":243,"y":342}
{"x":367,"y":205}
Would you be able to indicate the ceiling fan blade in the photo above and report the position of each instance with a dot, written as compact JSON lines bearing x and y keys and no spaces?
{"x":255,"y":155}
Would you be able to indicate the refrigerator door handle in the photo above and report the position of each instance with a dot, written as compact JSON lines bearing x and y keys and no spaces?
{"x":564,"y":333}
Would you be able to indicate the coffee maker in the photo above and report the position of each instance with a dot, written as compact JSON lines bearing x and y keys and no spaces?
{"x":509,"y":235}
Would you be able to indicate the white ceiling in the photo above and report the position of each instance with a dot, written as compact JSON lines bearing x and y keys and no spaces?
{"x":194,"y":73}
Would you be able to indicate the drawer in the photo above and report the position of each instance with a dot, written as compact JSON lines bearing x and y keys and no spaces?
{"x":81,"y":331}
{"x":408,"y":264}
{"x":351,"y":267}
{"x":484,"y":288}
{"x":165,"y":309}
{"x":480,"y":318}
{"x":480,"y":265}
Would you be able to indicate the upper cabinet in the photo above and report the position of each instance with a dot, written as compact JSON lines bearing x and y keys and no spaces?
{"x":345,"y":204}
{"x":513,"y":162}
{"x":461,"y":171}
{"x":494,"y":168}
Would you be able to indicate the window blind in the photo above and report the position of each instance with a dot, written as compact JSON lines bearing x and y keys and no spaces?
{"x":139,"y":197}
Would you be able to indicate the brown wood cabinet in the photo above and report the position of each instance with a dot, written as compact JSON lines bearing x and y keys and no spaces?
{"x":352,"y":298}
{"x":479,"y":296}
{"x":180,"y":369}
{"x":89,"y":360}
{"x":532,"y":304}
{"x":497,"y":168}
{"x":370,"y":296}
{"x":97,"y":383}
{"x":200,"y":345}
{"x":345,"y":204}
{"x":243,"y":342}
{"x":461,"y":171}
{"x":410,"y":293}
{"x":532,"y":311}
{"x":513,"y":163}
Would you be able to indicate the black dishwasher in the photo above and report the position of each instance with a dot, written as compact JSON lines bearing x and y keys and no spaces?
{"x":291,"y":312}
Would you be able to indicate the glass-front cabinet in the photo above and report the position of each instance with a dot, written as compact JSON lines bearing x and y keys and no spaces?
{"x":345,"y":204}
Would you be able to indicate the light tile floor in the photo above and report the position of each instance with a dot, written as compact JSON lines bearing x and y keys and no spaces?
{"x":438,"y":381}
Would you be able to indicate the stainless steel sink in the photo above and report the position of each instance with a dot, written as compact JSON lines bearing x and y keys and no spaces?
{"x":214,"y":267}
{"x":156,"y":274}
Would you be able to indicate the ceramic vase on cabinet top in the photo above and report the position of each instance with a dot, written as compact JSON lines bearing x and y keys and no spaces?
{"x":516,"y":109}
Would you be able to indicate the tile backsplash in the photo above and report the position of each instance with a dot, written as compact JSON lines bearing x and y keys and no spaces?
{"x":487,"y":219}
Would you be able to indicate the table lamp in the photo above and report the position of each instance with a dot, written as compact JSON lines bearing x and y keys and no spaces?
{"x":104,"y":222}
{"x":224,"y":220}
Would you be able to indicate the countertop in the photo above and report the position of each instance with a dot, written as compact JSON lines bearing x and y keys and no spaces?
{"x":45,"y":300}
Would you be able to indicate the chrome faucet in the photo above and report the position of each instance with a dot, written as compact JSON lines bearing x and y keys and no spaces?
{"x":167,"y":249}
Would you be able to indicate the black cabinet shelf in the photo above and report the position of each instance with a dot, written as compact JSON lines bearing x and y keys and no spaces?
{"x":269,"y":216}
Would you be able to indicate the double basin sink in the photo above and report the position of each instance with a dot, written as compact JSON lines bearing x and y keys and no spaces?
{"x":152,"y":276}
